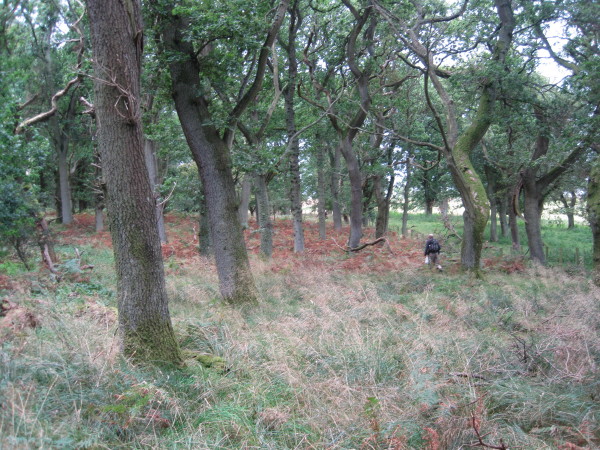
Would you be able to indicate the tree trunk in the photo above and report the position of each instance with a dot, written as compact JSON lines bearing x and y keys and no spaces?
{"x":491,"y":191}
{"x":152,"y":166}
{"x":204,"y":241}
{"x":265,"y":223}
{"x":99,"y":193}
{"x":593,"y":210}
{"x":61,"y":143}
{"x":501,"y":202}
{"x":212,"y":157}
{"x":290,"y":120}
{"x":321,"y":194}
{"x":513,"y":223}
{"x":406,"y":199}
{"x":336,"y":210}
{"x":145,"y":326}
{"x":532,"y":210}
{"x":244,"y":207}
{"x":569,"y":206}
{"x":355,"y":178}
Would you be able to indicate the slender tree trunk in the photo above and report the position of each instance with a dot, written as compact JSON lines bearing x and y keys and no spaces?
{"x":152,"y":166}
{"x":336,"y":210}
{"x":569,"y":206}
{"x":321,"y":194}
{"x":62,"y":153}
{"x":245,"y":193}
{"x":144,"y":321}
{"x":265,"y":223}
{"x":501,"y":202}
{"x":513,"y":224}
{"x":491,"y":191}
{"x":355,"y":177}
{"x":405,"y":199}
{"x":290,"y":120}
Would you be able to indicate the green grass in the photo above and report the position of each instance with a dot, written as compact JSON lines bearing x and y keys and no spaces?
{"x":564,"y":247}
{"x":326,"y":360}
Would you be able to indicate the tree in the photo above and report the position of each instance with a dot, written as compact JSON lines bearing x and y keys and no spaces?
{"x":580,"y":56}
{"x":210,"y":144}
{"x":459,"y":145}
{"x":117,"y":38}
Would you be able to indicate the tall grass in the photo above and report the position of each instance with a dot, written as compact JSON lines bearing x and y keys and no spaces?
{"x":327,"y":360}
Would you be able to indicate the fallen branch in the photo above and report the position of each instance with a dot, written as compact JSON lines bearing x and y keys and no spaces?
{"x":480,"y":438}
{"x":357,"y":249}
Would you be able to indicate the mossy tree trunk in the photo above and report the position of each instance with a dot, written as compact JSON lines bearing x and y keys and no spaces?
{"x":593,"y":210}
{"x":145,"y":326}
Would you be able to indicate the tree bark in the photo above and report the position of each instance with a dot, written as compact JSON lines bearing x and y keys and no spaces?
{"x":593,"y":210}
{"x":502,"y":213}
{"x":145,"y":328}
{"x":265,"y":224}
{"x":152,"y":166}
{"x":205,"y":246}
{"x":244,"y":207}
{"x":491,"y":191}
{"x":321,"y":193}
{"x":336,"y":210}
{"x":513,"y":223}
{"x":405,"y":198}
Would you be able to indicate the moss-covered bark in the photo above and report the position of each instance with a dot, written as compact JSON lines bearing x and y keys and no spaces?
{"x":470,"y":186}
{"x":593,"y":209}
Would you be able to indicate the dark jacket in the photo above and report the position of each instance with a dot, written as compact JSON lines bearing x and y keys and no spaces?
{"x":427,"y":249}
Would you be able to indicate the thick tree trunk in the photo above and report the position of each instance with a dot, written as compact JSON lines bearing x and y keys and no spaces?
{"x":99,"y":193}
{"x":265,"y":224}
{"x":212,"y":157}
{"x":205,"y":247}
{"x":144,"y":321}
{"x":593,"y":210}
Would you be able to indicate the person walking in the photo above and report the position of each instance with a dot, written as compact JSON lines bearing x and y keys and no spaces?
{"x":432,"y":252}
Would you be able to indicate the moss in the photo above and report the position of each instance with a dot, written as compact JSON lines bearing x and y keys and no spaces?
{"x":152,"y":341}
{"x":207,"y":360}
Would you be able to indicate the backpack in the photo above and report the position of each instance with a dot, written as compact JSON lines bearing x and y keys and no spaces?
{"x":433,"y":246}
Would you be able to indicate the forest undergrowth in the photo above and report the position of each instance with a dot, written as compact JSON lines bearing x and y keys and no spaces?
{"x":366,"y":351}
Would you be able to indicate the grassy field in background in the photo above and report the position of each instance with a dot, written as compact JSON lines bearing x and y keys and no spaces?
{"x":336,"y":359}
{"x":560,"y":243}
